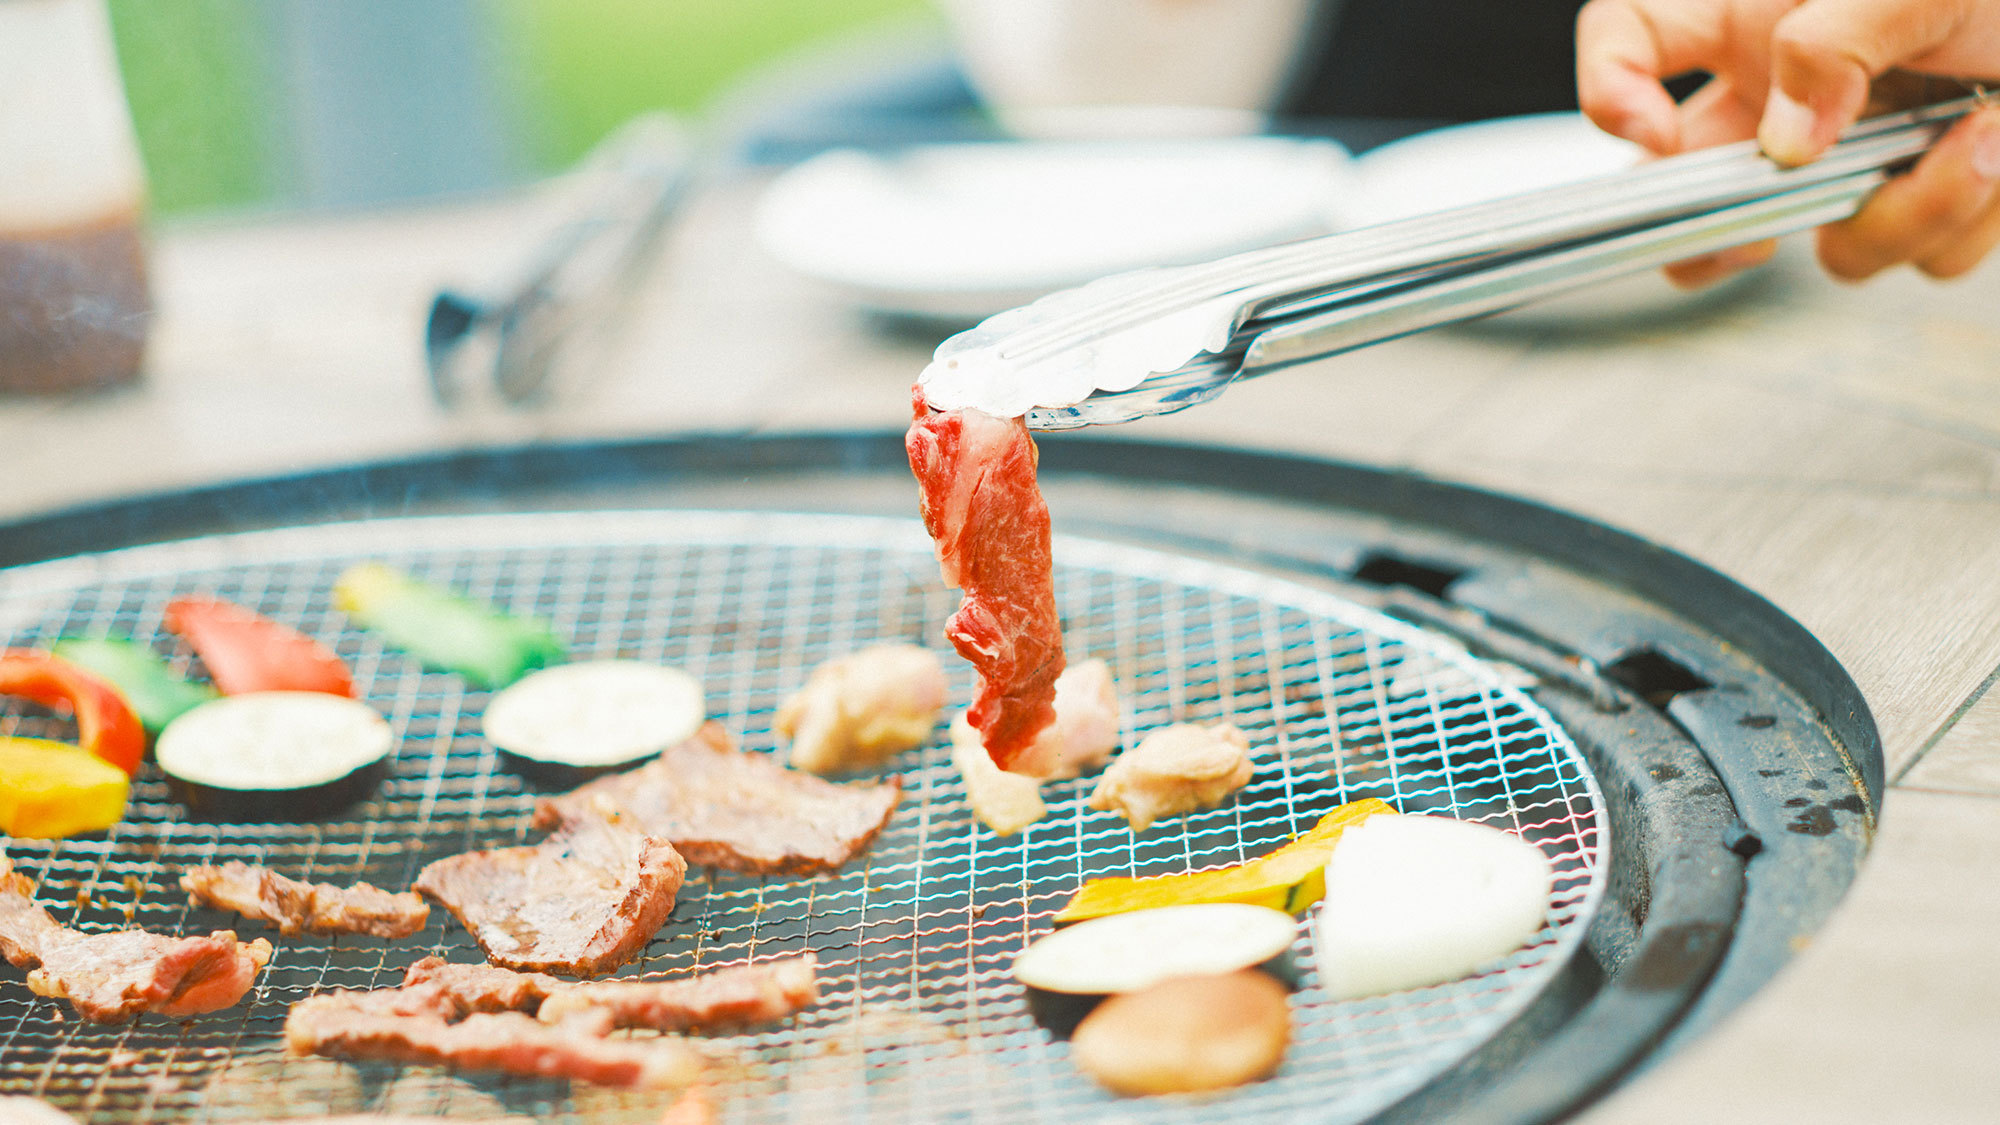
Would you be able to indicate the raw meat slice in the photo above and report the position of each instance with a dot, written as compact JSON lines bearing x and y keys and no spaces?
{"x":861,"y":709}
{"x":1175,"y":769}
{"x":983,"y":508}
{"x":297,"y":907}
{"x":723,"y":807}
{"x":583,"y":901}
{"x":365,"y":1026}
{"x":111,"y":977}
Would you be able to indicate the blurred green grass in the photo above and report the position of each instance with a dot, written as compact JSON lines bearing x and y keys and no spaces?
{"x":206,"y":93}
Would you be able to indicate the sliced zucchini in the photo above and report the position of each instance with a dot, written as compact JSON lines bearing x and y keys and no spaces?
{"x":562,"y":726}
{"x":274,"y":756}
{"x":1071,"y":971}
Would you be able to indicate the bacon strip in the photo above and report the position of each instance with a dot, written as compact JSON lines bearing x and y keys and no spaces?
{"x":983,"y":507}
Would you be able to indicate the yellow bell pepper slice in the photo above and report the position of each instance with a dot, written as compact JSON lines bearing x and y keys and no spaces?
{"x":49,"y":790}
{"x":1289,"y":879}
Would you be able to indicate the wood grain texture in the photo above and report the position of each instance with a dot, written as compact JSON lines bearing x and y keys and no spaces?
{"x":1965,"y":755}
{"x":1888,"y":1016}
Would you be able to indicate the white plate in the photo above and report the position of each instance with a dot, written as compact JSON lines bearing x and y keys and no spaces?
{"x":965,"y":231}
{"x":1486,"y":160}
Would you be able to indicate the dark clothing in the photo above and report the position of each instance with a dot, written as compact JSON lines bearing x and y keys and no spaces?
{"x":1441,"y":60}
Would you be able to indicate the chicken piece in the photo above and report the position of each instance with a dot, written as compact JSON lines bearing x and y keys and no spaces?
{"x":858,"y":710}
{"x":1003,"y":801}
{"x":1085,"y":730}
{"x":1175,"y":769}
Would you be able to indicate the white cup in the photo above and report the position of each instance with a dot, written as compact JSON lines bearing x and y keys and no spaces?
{"x":1074,"y":68}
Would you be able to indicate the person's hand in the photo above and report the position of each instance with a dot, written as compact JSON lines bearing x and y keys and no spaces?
{"x":1793,"y":74}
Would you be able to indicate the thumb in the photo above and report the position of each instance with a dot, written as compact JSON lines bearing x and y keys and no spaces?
{"x":1824,"y":54}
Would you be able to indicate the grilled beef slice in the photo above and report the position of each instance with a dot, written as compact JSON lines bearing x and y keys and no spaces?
{"x":111,"y":977}
{"x":296,"y":907}
{"x":582,"y":902}
{"x":745,"y":812}
{"x":383,"y":1026}
{"x":736,"y":996}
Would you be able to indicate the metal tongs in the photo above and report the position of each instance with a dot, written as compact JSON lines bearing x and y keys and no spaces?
{"x":1160,"y":340}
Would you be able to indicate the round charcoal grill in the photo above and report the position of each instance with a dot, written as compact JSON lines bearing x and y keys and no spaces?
{"x":1341,"y":650}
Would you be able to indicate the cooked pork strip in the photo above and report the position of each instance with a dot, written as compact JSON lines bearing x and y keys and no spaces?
{"x":859,"y":710}
{"x":726,"y":808}
{"x":296,"y":907}
{"x":583,"y":901}
{"x":1175,"y":769}
{"x":111,"y":977}
{"x":361,"y":1026}
{"x":985,"y":511}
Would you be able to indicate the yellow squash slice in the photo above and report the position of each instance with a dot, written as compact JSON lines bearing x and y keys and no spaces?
{"x":49,"y":790}
{"x":1289,"y":879}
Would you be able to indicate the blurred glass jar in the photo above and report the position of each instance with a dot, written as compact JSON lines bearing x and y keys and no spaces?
{"x":73,"y":297}
{"x":1098,"y":68}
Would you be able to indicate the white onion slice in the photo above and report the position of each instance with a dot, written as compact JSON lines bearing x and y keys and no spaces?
{"x":1419,"y":900}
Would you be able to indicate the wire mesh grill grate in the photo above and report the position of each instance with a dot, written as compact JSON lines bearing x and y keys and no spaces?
{"x":921,"y":1020}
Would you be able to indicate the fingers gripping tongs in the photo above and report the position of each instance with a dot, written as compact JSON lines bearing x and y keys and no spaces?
{"x":1160,"y":340}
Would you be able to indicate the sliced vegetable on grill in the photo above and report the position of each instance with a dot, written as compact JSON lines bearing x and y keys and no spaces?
{"x":1289,"y":879}
{"x":1071,"y":971}
{"x":1420,"y":900}
{"x":1186,"y":1034}
{"x":157,"y":694}
{"x":562,"y":726}
{"x":105,"y":723}
{"x":443,"y":630}
{"x":245,"y":652}
{"x":49,"y":789}
{"x":274,"y":756}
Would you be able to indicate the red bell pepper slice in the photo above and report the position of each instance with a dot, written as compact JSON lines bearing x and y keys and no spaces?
{"x":245,"y":651}
{"x":105,"y":724}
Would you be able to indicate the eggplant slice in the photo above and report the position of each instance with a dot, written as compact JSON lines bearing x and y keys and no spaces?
{"x":275,"y":756}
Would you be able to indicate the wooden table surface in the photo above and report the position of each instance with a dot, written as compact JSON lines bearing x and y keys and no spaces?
{"x":1835,"y":448}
